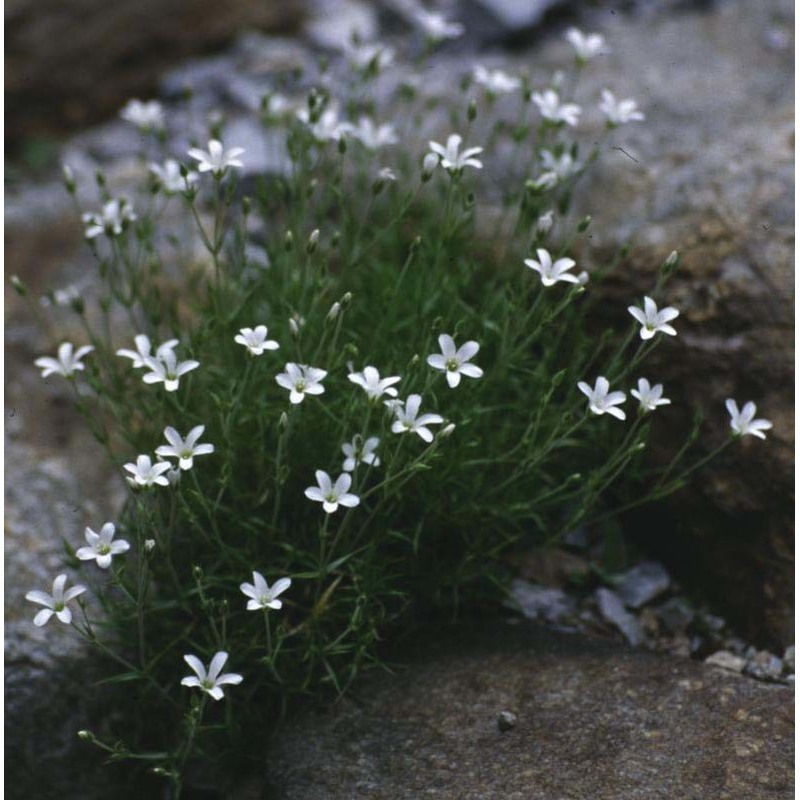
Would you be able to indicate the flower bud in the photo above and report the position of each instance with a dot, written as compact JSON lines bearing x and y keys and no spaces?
{"x":288,"y":241}
{"x":670,"y":263}
{"x":283,"y":421}
{"x":584,"y":223}
{"x":342,"y":145}
{"x":335,"y":239}
{"x":87,"y":736}
{"x":583,"y":278}
{"x":197,"y":572}
{"x":69,"y":178}
{"x":149,"y":545}
{"x":472,"y":110}
{"x":334,"y":312}
{"x":19,"y":286}
{"x":100,"y":178}
{"x":247,"y":204}
{"x":313,"y":240}
{"x":447,"y":431}
{"x":429,"y":164}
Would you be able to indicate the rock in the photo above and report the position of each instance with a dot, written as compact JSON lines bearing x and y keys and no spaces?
{"x":676,"y":615}
{"x":640,"y":584}
{"x":613,"y":610}
{"x":504,"y":18}
{"x":726,"y":660}
{"x":713,"y":178}
{"x":105,"y":53}
{"x":538,"y":602}
{"x":788,"y":659}
{"x":332,"y":23}
{"x":594,"y":721}
{"x":506,"y":721}
{"x":764,"y":666}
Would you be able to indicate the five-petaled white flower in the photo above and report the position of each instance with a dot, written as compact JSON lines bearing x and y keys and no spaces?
{"x":328,"y":127}
{"x":169,"y":178}
{"x":255,"y":340}
{"x":374,"y":136}
{"x":601,"y":401}
{"x":551,"y":273}
{"x":301,"y":380}
{"x":167,"y":369}
{"x":495,"y":80}
{"x":55,"y":603}
{"x":65,"y":363}
{"x":147,"y":115}
{"x":649,"y":397}
{"x":262,"y":597}
{"x":360,"y":450}
{"x":742,"y":422}
{"x":184,"y":449}
{"x":407,"y":419}
{"x":551,"y":107}
{"x":112,"y":219}
{"x":143,"y":350}
{"x":145,"y":473}
{"x":652,"y":320}
{"x":102,"y":547}
{"x":332,"y":495}
{"x":368,"y":55}
{"x":618,"y":112}
{"x":451,"y":159}
{"x":587,"y":46}
{"x":557,"y":168}
{"x":436,"y":27}
{"x":372,"y":383}
{"x":210,"y":682}
{"x":216,"y":159}
{"x":455,"y":363}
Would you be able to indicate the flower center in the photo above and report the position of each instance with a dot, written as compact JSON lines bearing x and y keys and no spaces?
{"x":300,"y":385}
{"x":103,"y":548}
{"x":452,"y":364}
{"x":186,"y":454}
{"x":58,"y":606}
{"x":331,"y":497}
{"x":208,"y":684}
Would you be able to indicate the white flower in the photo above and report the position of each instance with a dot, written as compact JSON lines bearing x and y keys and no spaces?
{"x":327,"y":127}
{"x":455,"y":363}
{"x":550,"y":107}
{"x":429,"y":164}
{"x":556,"y":169}
{"x":147,"y":115}
{"x":451,"y":159}
{"x":742,"y":422}
{"x":101,"y":547}
{"x":618,"y":112}
{"x":217,"y":159}
{"x":65,"y":363}
{"x":601,"y":401}
{"x":255,"y":340}
{"x":372,"y":383}
{"x":55,"y":603}
{"x":301,"y":380}
{"x":436,"y":27}
{"x":112,"y":220}
{"x":652,"y":320}
{"x":184,"y":449}
{"x":145,"y":473}
{"x":374,"y":136}
{"x":369,"y":55}
{"x":360,"y":451}
{"x":144,"y":350}
{"x":551,"y":273}
{"x":495,"y":80}
{"x":408,"y":421}
{"x":332,"y":495}
{"x":211,"y":681}
{"x":64,"y":297}
{"x":386,"y":174}
{"x":544,"y":223}
{"x":649,"y":397}
{"x":170,"y":179}
{"x":296,"y":323}
{"x":166,"y":368}
{"x":261,"y":596}
{"x":587,"y":46}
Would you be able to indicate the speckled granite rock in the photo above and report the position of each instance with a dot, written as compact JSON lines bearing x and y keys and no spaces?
{"x":593,"y":721}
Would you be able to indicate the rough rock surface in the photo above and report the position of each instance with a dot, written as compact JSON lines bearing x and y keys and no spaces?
{"x":593,"y":721}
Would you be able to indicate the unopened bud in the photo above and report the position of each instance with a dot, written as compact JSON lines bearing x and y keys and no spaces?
{"x":247,"y":204}
{"x":283,"y":421}
{"x":342,"y":145}
{"x":334,"y":312}
{"x":584,"y":223}
{"x":197,"y":572}
{"x":288,"y":241}
{"x":87,"y":736}
{"x":313,"y":240}
{"x":429,"y":164}
{"x":347,"y":298}
{"x":583,"y":278}
{"x":670,"y":263}
{"x":69,"y":178}
{"x":447,"y":431}
{"x":100,"y":178}
{"x":149,"y":545}
{"x":472,"y":110}
{"x":335,"y":239}
{"x":19,"y":286}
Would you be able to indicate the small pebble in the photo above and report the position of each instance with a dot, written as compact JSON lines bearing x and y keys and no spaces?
{"x":788,"y":659}
{"x":764,"y":666}
{"x":726,"y":660}
{"x":506,"y":721}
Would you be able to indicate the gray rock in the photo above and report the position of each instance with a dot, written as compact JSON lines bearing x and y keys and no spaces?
{"x":594,"y":721}
{"x":506,"y":721}
{"x":726,"y":660}
{"x":512,"y":16}
{"x":676,"y":615}
{"x":642,"y":583}
{"x":541,"y":603}
{"x":764,"y":666}
{"x":613,"y":610}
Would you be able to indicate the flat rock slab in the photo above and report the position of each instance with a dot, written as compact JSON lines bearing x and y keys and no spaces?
{"x":593,"y":721}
